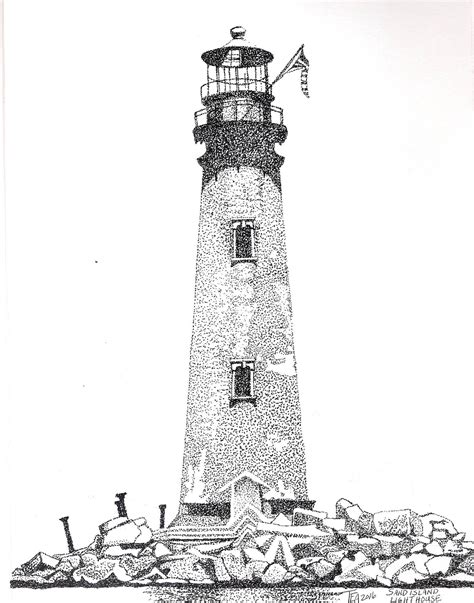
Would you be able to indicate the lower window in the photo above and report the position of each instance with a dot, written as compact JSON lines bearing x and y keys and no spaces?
{"x":242,"y":386}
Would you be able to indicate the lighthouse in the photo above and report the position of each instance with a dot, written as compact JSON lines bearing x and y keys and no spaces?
{"x":243,"y":444}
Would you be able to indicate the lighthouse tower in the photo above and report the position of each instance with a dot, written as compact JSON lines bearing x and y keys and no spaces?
{"x":243,"y":443}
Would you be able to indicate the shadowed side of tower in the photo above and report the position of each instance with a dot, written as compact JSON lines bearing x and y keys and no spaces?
{"x":243,"y":438}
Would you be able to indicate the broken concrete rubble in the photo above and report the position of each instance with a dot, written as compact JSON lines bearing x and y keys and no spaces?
{"x":439,"y":565}
{"x":235,"y":564}
{"x":186,"y":567}
{"x":125,"y":531}
{"x":303,"y":517}
{"x":280,"y":552}
{"x":356,"y":547}
{"x":321,"y":568}
{"x":467,"y":565}
{"x":40,"y":562}
{"x":350,"y":569}
{"x":275,"y":574}
{"x":393,"y":523}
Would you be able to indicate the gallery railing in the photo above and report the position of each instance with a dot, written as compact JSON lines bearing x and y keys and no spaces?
{"x":239,"y":110}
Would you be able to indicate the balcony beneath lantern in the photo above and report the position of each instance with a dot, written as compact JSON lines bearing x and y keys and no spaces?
{"x":238,"y":109}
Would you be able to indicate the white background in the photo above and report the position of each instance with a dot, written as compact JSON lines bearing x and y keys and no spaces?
{"x":102,"y":214}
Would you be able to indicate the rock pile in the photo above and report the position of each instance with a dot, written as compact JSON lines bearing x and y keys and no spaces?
{"x":354,"y":548}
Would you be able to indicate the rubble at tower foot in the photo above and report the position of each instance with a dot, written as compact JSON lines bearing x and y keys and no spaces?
{"x":354,"y":548}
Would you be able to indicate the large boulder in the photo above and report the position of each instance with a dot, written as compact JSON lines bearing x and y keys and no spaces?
{"x":371,"y":547}
{"x":304,"y":517}
{"x":117,"y":550}
{"x":320,"y":569}
{"x":130,"y":567}
{"x":68,"y":564}
{"x":323,"y":538}
{"x":459,"y":577}
{"x":412,"y":568}
{"x":341,"y":506}
{"x":439,"y":565}
{"x":351,"y":569}
{"x":186,"y":567}
{"x":409,"y":576}
{"x":371,"y":571}
{"x":304,"y":550}
{"x":275,"y":574}
{"x":453,"y":547}
{"x":256,"y":569}
{"x":32,"y":580}
{"x":160,"y":550}
{"x":125,"y":531}
{"x":467,"y":565}
{"x":335,"y":556}
{"x":40,"y":562}
{"x":335,"y":523}
{"x":393,"y":523}
{"x":253,"y":554}
{"x":37,"y":580}
{"x":299,"y":572}
{"x":392,"y":546}
{"x":234,"y":563}
{"x":357,"y":520}
{"x":434,"y":548}
{"x":111,"y":524}
{"x":395,"y":566}
{"x":59,"y":577}
{"x":94,"y":570}
{"x":431,"y":522}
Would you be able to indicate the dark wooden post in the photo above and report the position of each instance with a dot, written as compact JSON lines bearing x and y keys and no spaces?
{"x":65,"y":522}
{"x":162,"y":515}
{"x":122,"y":511}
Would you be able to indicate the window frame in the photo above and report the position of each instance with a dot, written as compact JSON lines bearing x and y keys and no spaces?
{"x":242,"y":363}
{"x":233,"y":58}
{"x":243,"y":222}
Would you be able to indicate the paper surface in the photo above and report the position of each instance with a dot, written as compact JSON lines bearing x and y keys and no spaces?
{"x":102,"y":215}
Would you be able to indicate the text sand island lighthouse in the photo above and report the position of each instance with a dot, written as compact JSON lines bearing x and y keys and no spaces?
{"x":244,"y":451}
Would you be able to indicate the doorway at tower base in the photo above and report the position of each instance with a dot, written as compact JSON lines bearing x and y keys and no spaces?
{"x":241,"y":495}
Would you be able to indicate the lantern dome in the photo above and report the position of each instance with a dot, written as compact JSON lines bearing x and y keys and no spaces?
{"x":237,"y":49}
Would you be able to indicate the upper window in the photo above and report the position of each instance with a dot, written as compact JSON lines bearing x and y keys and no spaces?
{"x":232,"y":58}
{"x":242,"y":382}
{"x":243,"y":241}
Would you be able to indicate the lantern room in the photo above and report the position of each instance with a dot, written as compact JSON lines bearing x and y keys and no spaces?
{"x":237,"y":87}
{"x":237,"y":67}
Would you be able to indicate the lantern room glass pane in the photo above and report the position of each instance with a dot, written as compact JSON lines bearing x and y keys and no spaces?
{"x":233,"y":78}
{"x":232,"y":58}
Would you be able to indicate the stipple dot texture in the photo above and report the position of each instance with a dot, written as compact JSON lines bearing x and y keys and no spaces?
{"x":242,"y":311}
